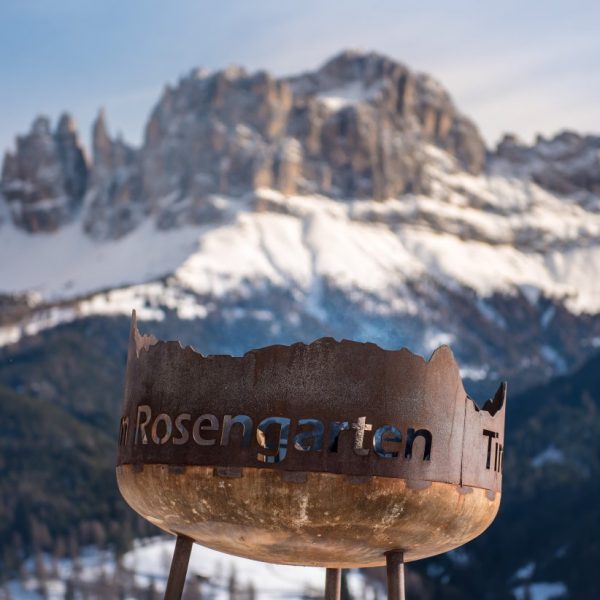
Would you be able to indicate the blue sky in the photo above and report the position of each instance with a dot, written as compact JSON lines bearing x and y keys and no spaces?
{"x":524,"y":67}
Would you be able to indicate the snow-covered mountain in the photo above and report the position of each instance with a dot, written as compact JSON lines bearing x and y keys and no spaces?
{"x":354,"y":201}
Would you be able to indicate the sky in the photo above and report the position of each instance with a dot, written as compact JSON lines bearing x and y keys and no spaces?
{"x":524,"y":67}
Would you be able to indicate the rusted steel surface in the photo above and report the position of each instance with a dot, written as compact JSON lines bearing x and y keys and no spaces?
{"x":179,"y":565}
{"x":395,"y":574}
{"x":333,"y":584}
{"x":330,"y":453}
{"x":327,"y":520}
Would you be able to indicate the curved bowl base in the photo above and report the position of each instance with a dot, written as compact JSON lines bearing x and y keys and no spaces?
{"x":319,"y":519}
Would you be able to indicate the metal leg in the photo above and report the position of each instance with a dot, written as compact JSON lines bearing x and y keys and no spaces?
{"x":395,"y":574}
{"x":179,"y":565}
{"x":333,"y":584}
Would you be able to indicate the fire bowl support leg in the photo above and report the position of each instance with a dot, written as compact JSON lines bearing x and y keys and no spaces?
{"x":395,"y":574}
{"x":333,"y":584}
{"x":179,"y":566}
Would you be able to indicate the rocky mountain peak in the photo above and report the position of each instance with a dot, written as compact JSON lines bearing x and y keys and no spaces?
{"x":411,"y":104}
{"x":66,"y":125}
{"x":358,"y":127}
{"x":45,"y":180}
{"x":101,"y":142}
{"x":115,"y":204}
{"x":40,"y":127}
{"x":568,"y":163}
{"x":356,"y":65}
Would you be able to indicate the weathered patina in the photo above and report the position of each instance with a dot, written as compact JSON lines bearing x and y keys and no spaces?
{"x":330,"y":454}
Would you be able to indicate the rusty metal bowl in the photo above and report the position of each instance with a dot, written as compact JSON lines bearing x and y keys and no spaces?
{"x":328,"y":454}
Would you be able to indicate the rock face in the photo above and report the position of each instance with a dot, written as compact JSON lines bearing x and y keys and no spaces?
{"x":214,"y":134}
{"x":362,"y":126}
{"x":44,"y":182}
{"x":356,"y":128}
{"x":115,"y":201}
{"x":568,"y":163}
{"x":365,"y":121}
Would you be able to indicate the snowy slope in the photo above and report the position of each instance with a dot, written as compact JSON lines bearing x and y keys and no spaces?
{"x":146,"y":567}
{"x":489,"y":233}
{"x":149,"y":561}
{"x":494,"y":251}
{"x":68,"y":263}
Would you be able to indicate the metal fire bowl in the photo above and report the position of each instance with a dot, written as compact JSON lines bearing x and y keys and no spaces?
{"x":274,"y":497}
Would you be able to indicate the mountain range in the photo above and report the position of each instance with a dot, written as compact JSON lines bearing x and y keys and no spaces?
{"x":353,"y":201}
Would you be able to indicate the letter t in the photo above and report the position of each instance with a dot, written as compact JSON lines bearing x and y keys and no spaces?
{"x":360,"y":427}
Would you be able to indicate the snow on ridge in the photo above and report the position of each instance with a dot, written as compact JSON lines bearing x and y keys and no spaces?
{"x":68,"y":263}
{"x":377,"y":247}
{"x":149,"y":300}
{"x":491,"y":234}
{"x":348,"y":94}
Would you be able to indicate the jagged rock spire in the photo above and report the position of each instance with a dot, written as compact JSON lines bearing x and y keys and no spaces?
{"x":115,"y":205}
{"x":45,"y":180}
{"x":101,"y":143}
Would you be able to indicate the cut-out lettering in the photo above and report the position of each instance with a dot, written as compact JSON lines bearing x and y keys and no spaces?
{"x":277,"y":448}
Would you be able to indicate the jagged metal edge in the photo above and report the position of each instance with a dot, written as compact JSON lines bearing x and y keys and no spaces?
{"x":493,"y":406}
